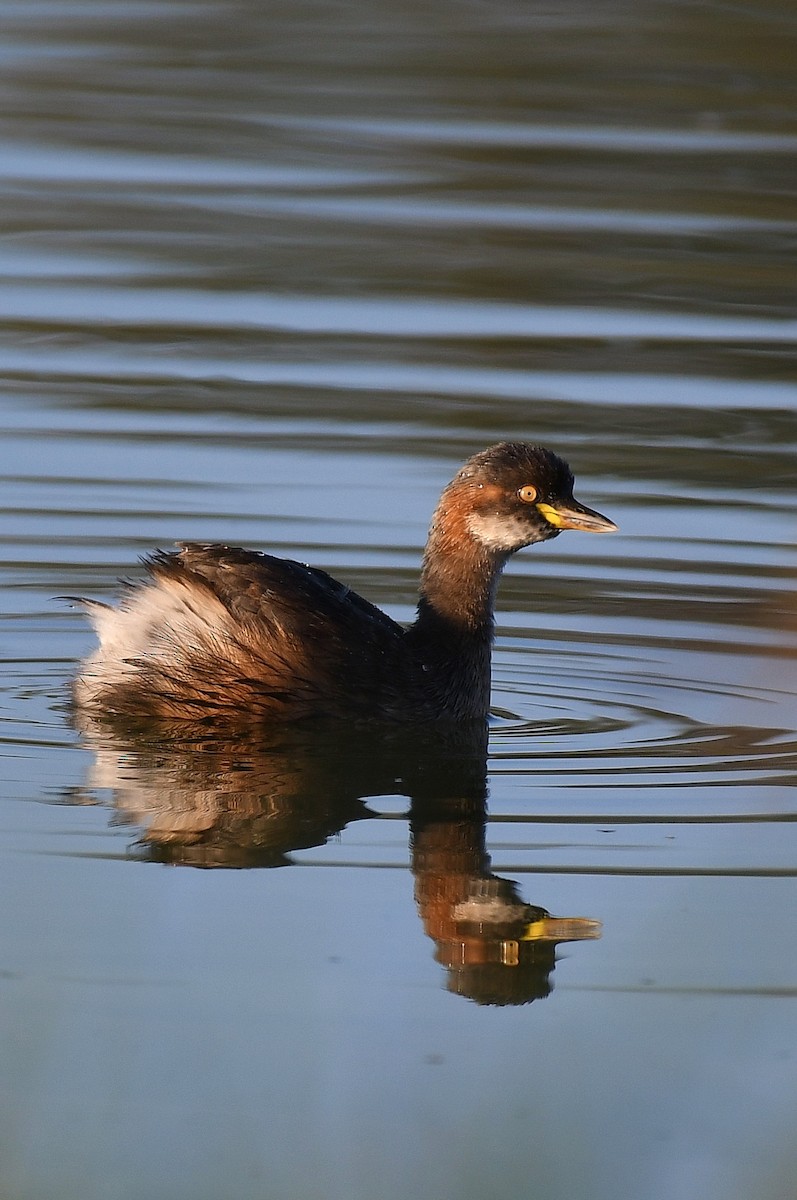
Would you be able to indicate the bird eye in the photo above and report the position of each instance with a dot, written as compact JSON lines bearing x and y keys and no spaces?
{"x":528,"y":494}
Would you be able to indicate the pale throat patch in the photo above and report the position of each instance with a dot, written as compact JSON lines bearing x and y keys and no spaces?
{"x":499,"y":532}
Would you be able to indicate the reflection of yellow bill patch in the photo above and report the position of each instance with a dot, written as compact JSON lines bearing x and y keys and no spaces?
{"x":551,"y":515}
{"x":561,"y":929}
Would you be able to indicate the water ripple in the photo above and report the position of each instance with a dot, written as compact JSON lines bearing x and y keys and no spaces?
{"x":58,"y":165}
{"x":614,"y":139}
{"x":393,"y":316}
{"x":583,"y":387}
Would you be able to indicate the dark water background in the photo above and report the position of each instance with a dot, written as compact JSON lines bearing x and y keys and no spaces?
{"x":271,"y":272}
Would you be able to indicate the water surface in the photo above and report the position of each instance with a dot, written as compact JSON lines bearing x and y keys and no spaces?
{"x":270,"y":275}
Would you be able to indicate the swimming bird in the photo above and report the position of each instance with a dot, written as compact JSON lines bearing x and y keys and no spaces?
{"x":225,"y":635}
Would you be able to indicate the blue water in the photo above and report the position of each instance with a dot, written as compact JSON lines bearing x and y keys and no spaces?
{"x":269,"y":277}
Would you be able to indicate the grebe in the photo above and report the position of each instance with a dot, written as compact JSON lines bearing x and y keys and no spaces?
{"x":221,"y":634}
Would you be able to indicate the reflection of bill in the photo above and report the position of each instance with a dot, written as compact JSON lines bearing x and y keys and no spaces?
{"x":204,"y":801}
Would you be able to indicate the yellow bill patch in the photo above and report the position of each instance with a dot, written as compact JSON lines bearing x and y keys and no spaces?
{"x":551,"y":515}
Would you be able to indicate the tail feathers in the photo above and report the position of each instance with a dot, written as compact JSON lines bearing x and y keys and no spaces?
{"x":83,"y":601}
{"x":94,"y":608}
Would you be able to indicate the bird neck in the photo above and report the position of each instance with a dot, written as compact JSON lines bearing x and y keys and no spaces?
{"x":460,"y":572}
{"x":457,"y":590}
{"x":453,"y":632}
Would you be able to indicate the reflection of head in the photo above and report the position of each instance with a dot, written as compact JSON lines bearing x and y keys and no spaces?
{"x":496,"y":948}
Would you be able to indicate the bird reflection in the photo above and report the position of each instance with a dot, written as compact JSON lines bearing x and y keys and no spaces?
{"x":206,"y":801}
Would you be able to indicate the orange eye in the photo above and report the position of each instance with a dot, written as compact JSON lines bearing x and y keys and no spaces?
{"x":528,"y":494}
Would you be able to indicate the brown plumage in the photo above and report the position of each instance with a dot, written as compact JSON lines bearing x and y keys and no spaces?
{"x":231,"y":635}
